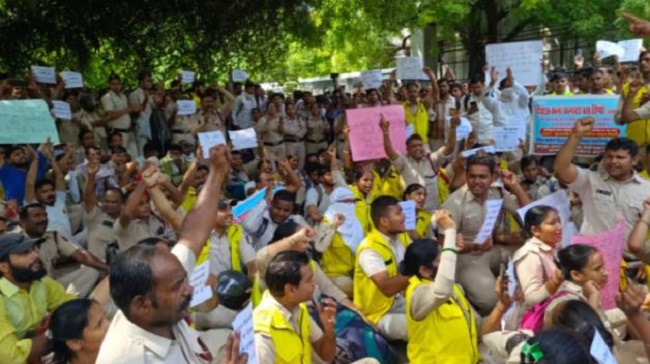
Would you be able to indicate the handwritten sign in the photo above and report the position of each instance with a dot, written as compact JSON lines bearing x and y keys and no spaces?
{"x":243,"y":139}
{"x":210,"y":139}
{"x":606,"y":49}
{"x":188,"y":76}
{"x":410,"y":68}
{"x":489,"y":149}
{"x":202,"y":292}
{"x":408,"y":208}
{"x":61,"y":110}
{"x":366,"y":137}
{"x":72,"y":79}
{"x":632,"y":49}
{"x":493,"y":207}
{"x":610,"y":245}
{"x":239,"y":76}
{"x":371,"y":79}
{"x":554,"y":117}
{"x":560,"y":201}
{"x":44,"y":74}
{"x":243,"y":323}
{"x":26,"y":121}
{"x":600,"y":351}
{"x":186,"y":107}
{"x":506,"y":138}
{"x":524,"y":58}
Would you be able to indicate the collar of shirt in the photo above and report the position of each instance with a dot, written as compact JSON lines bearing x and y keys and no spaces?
{"x":7,"y":288}
{"x":388,"y":239}
{"x":469,"y":196}
{"x":635,"y":177}
{"x":288,"y":315}
{"x":542,"y":246}
{"x":157,"y":344}
{"x":571,"y":287}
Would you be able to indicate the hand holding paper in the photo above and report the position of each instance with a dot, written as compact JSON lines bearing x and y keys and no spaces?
{"x":210,"y":139}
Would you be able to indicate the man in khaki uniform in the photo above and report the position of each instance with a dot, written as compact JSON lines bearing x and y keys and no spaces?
{"x":137,"y":222}
{"x":100,"y":221}
{"x":81,"y":280}
{"x":478,"y":263}
{"x":270,"y":129}
{"x":614,"y":192}
{"x":118,"y":112}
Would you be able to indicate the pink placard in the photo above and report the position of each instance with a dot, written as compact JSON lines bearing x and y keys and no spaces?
{"x":610,"y":244}
{"x":366,"y":138}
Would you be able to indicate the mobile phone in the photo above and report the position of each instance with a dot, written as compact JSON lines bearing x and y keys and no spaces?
{"x":473,"y":105}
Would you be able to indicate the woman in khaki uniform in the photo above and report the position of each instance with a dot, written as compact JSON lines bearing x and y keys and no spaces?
{"x":317,"y":129}
{"x":270,"y":130}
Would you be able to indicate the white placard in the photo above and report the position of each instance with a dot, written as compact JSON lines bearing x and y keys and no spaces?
{"x":188,"y":76}
{"x":243,"y":139}
{"x":243,"y":323}
{"x":632,"y":49}
{"x":61,"y":110}
{"x":506,"y":138}
{"x":510,"y":271}
{"x":371,"y":79}
{"x":493,"y":207}
{"x":410,"y":68}
{"x":606,"y":49}
{"x":560,"y":201}
{"x":600,"y":351}
{"x":463,"y":129}
{"x":524,"y":58}
{"x":72,"y":79}
{"x":408,"y":208}
{"x":409,"y":130}
{"x":198,"y":280}
{"x":489,"y":149}
{"x":239,"y":76}
{"x":210,"y":139}
{"x":44,"y":74}
{"x":186,"y":107}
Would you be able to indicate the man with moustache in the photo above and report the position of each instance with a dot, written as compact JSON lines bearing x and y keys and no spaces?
{"x":13,"y":172}
{"x":27,"y":294}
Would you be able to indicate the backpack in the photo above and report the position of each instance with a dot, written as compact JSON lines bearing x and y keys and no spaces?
{"x":533,"y":318}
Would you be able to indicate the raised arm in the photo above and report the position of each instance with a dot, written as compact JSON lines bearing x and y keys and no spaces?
{"x":230,"y":100}
{"x":293,"y":182}
{"x":154,"y":179}
{"x":200,"y":220}
{"x":131,"y":206}
{"x":565,"y":170}
{"x":30,"y":180}
{"x":89,"y":202}
{"x":388,"y":145}
{"x":434,"y":96}
{"x":628,"y":113}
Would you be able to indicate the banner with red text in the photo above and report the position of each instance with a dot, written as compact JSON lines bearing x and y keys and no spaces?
{"x":554,"y":117}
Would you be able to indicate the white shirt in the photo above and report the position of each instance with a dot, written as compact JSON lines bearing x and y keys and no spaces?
{"x":220,"y":256}
{"x":311,"y":199}
{"x":242,"y":112}
{"x":114,"y":102}
{"x":57,"y":215}
{"x":483,"y":120}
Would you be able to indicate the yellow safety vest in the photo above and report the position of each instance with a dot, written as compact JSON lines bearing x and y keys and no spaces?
{"x":362,"y":207}
{"x":257,"y":294}
{"x":566,"y":93}
{"x":638,"y":130}
{"x":190,"y":199}
{"x":367,"y":296}
{"x":419,"y":120}
{"x":235,"y":234}
{"x":447,"y":335}
{"x":338,"y":258}
{"x":390,"y":185}
{"x":290,"y":346}
{"x":423,"y":223}
{"x":444,"y":186}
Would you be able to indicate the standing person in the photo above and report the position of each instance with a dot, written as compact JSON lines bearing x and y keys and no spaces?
{"x":117,"y":111}
{"x":211,"y":118}
{"x":244,"y":105}
{"x":417,"y":109}
{"x":270,"y":130}
{"x":317,"y":129}
{"x":444,"y":107}
{"x":140,"y":119}
{"x":614,"y":192}
{"x":480,"y":108}
{"x":631,"y":110}
{"x":295,"y":130}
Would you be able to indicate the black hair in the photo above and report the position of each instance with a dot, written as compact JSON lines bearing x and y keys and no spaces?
{"x":284,"y":269}
{"x":203,"y":168}
{"x":558,"y":347}
{"x":312,"y":167}
{"x":481,"y":160}
{"x":574,"y":258}
{"x":150,"y":241}
{"x":116,"y":190}
{"x":443,"y":80}
{"x":420,"y":253}
{"x":84,"y":132}
{"x":527,"y":161}
{"x":456,"y":85}
{"x":284,"y":230}
{"x":412,"y":188}
{"x":411,"y":84}
{"x":209,"y":93}
{"x":131,"y":275}
{"x":68,"y":322}
{"x":502,"y":83}
{"x":643,"y":54}
{"x":178,"y":148}
{"x":42,"y":183}
{"x":24,"y":211}
{"x":151,"y":146}
{"x":113,"y":76}
{"x":11,"y":149}
{"x":111,"y":135}
{"x":371,"y":90}
{"x":143,"y":74}
{"x":379,"y":207}
{"x":477,"y":78}
{"x":413,"y":137}
{"x":580,"y":318}
{"x":617,"y":144}
{"x":358,"y":174}
{"x":118,"y":149}
{"x":534,"y":218}
{"x":284,"y":195}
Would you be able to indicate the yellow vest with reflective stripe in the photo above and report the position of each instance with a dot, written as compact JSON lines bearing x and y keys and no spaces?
{"x":235,"y":234}
{"x":638,"y":130}
{"x":423,"y":224}
{"x":290,"y":346}
{"x":444,"y":336}
{"x":420,"y":120}
{"x":367,"y":296}
{"x":390,"y":185}
{"x":338,"y":258}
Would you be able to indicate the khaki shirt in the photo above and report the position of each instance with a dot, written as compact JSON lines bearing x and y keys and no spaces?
{"x":422,"y":172}
{"x":213,"y":120}
{"x":294,"y":127}
{"x":269,"y":130}
{"x":605,"y":201}
{"x":469,"y":214}
{"x":535,"y":265}
{"x":316,"y":129}
{"x":182,"y":129}
{"x":100,"y":232}
{"x":53,"y":249}
{"x":138,"y":229}
{"x":114,"y":102}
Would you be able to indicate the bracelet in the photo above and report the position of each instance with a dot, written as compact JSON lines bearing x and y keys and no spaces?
{"x":453,"y":250}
